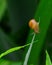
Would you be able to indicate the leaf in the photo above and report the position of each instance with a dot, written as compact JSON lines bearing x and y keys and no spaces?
{"x":48,"y":60}
{"x":12,"y":50}
{"x":2,"y":8}
{"x":44,"y":11}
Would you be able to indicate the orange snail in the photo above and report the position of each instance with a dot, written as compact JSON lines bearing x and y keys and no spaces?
{"x":34,"y":25}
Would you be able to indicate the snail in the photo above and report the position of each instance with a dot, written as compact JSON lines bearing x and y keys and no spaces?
{"x":34,"y":25}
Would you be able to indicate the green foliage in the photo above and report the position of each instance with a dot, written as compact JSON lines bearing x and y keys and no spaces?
{"x":44,"y":12}
{"x":2,"y":8}
{"x":48,"y":61}
{"x":12,"y":50}
{"x":29,"y":50}
{"x":5,"y":62}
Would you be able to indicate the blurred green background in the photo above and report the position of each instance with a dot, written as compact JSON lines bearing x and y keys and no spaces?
{"x":14,"y":30}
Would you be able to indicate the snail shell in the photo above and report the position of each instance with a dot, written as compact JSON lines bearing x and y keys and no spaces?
{"x":34,"y":25}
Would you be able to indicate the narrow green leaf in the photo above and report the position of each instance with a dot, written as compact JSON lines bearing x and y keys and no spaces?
{"x":44,"y":11}
{"x":2,"y":8}
{"x":48,"y":61}
{"x":12,"y":50}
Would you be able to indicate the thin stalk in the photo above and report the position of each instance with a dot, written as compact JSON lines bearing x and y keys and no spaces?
{"x":29,"y":50}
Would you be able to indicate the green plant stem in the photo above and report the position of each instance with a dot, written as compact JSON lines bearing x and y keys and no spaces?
{"x":29,"y":50}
